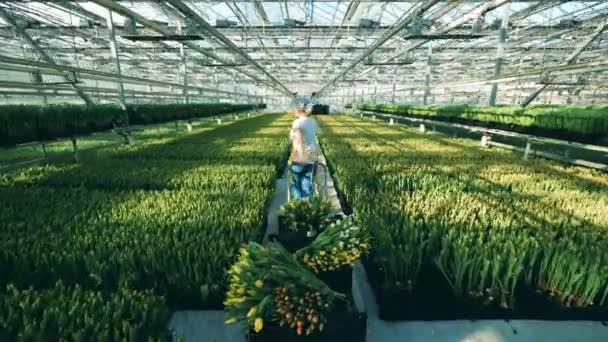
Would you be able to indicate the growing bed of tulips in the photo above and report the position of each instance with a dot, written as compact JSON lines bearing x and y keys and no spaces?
{"x":460,"y":231}
{"x":22,"y":123}
{"x":129,"y":234}
{"x":572,"y":122}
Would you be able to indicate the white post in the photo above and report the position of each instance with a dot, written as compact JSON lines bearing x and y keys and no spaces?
{"x":183,"y":66}
{"x":427,"y":81}
{"x":422,"y":128}
{"x":391,"y":122}
{"x":188,"y":127}
{"x":75,"y":150}
{"x":527,"y":150}
{"x":219,"y":121}
{"x":484,"y":140}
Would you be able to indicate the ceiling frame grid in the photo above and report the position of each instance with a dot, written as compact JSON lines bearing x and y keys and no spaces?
{"x":279,"y":48}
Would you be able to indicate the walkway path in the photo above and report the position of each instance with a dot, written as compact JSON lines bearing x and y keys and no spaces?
{"x":208,"y":325}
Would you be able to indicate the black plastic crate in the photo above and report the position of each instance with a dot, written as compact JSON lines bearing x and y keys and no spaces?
{"x":344,"y":323}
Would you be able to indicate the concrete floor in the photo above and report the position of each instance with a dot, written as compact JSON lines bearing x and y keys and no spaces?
{"x":486,"y":331}
{"x":278,"y":198}
{"x":208,"y":326}
{"x":325,"y":185}
{"x":204,"y":326}
{"x":470,"y":331}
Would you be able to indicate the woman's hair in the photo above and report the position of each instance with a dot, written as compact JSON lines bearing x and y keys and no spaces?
{"x":301,"y":108}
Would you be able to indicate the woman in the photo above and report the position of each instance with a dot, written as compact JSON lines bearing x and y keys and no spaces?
{"x":304,"y":153}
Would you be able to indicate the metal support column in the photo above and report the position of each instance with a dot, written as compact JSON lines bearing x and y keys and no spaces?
{"x":37,"y":79}
{"x":427,"y":81}
{"x":394,"y":89}
{"x":114,"y":51}
{"x":184,"y":66}
{"x":375,"y":93}
{"x":502,"y":37}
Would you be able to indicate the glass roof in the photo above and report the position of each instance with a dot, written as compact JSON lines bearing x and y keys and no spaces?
{"x":273,"y":49}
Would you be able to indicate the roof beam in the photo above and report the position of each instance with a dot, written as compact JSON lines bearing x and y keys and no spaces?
{"x":160,"y":29}
{"x":54,"y":90}
{"x":259,"y":9}
{"x":385,"y":36}
{"x":571,"y":59}
{"x":150,"y":24}
{"x":286,"y":9}
{"x":348,"y":15}
{"x":261,"y":12}
{"x":77,"y":9}
{"x":246,"y":24}
{"x":350,"y":11}
{"x":139,"y":94}
{"x":106,"y":76}
{"x":528,"y":75}
{"x":46,"y":57}
{"x":189,"y":13}
{"x":274,"y":31}
{"x":298,"y":1}
{"x":474,"y":14}
{"x":290,"y":49}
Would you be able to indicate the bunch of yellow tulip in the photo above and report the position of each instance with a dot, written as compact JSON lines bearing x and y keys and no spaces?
{"x":268,"y":284}
{"x":339,"y":245}
{"x":247,"y":299}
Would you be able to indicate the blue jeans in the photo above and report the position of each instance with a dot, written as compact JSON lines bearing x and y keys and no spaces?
{"x":301,"y":187}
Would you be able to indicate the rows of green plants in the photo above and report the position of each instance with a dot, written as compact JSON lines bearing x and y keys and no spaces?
{"x":234,"y":152}
{"x":488,"y":221}
{"x":591,"y":120}
{"x":23,"y":123}
{"x":46,"y":315}
{"x":135,"y":220}
{"x":143,"y":174}
{"x":10,"y":154}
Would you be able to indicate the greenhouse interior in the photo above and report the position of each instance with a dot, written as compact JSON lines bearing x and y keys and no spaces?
{"x":307,"y":170}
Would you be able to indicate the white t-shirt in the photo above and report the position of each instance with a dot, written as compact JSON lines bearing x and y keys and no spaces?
{"x":308,"y":127}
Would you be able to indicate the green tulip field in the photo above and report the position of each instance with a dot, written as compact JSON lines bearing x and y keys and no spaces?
{"x":107,"y":248}
{"x":589,"y":121}
{"x":131,"y":233}
{"x":62,"y":145}
{"x":487,"y":221}
{"x":23,"y":123}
